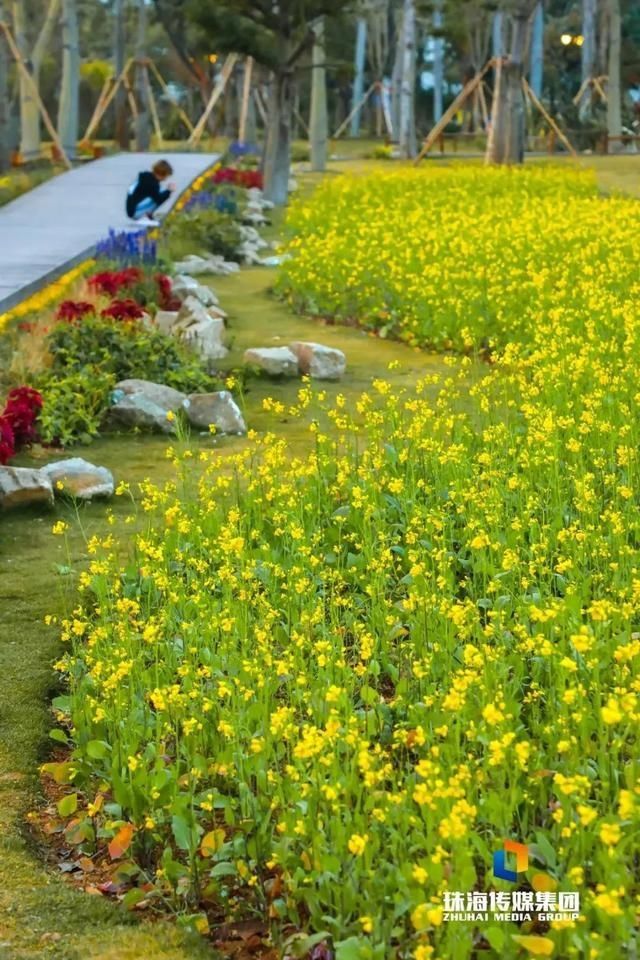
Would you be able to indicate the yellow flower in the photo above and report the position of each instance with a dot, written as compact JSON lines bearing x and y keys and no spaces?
{"x":610,"y":834}
{"x":357,"y":843}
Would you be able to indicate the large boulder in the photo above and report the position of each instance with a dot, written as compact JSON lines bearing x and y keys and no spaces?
{"x":142,"y":404}
{"x":219,"y":409}
{"x":21,"y":487}
{"x":319,"y":361}
{"x":276,"y":361}
{"x":78,"y":478}
{"x":184,"y":286}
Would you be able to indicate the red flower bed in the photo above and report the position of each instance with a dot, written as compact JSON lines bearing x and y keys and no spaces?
{"x":167,"y":300}
{"x":18,"y":421}
{"x":238,"y":178}
{"x":123,"y":310}
{"x":74,"y":310}
{"x":110,"y":282}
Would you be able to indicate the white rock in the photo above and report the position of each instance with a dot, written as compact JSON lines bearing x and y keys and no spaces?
{"x":78,"y":478}
{"x":193,"y":265}
{"x":276,"y":361}
{"x":205,"y":338}
{"x":254,"y":217}
{"x":21,"y":486}
{"x":219,"y":409}
{"x":185,"y":286}
{"x":165,"y":320}
{"x":319,"y":361}
{"x":293,"y":184}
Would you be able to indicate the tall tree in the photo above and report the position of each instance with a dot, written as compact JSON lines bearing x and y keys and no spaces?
{"x":407,"y":125}
{"x":358,"y":79}
{"x":438,"y":61}
{"x":4,"y":98}
{"x":276,"y":35}
{"x":70,"y":83}
{"x":120,"y":100}
{"x":506,"y":141}
{"x":537,"y":50}
{"x":318,"y":126}
{"x":587,"y":54}
{"x":143,"y":124}
{"x":29,"y":111}
{"x":614,"y":97}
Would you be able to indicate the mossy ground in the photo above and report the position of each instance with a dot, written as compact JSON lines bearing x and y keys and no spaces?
{"x":40,"y":915}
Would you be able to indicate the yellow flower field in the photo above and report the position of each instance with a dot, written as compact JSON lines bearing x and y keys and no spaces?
{"x":329,"y":688}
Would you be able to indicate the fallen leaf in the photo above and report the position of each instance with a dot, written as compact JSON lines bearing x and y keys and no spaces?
{"x":121,"y":842}
{"x":536,"y":946}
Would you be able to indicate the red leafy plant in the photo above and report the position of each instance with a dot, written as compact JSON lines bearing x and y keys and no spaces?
{"x":167,"y":300}
{"x":110,"y":282}
{"x":123,"y":310}
{"x":238,"y":178}
{"x":74,"y":310}
{"x":18,"y":421}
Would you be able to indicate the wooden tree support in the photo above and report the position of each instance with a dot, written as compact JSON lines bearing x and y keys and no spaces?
{"x":183,"y":116}
{"x":596,"y":84}
{"x":261,"y":107}
{"x":345,"y":123}
{"x":552,"y":123}
{"x":218,"y":90}
{"x":35,"y":93}
{"x":450,"y":112}
{"x":153,"y":107}
{"x":244,"y":105}
{"x":104,"y":92}
{"x":99,"y":114}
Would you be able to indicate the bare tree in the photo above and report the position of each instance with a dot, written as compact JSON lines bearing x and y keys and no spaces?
{"x":70,"y":84}
{"x":506,"y":142}
{"x":4,"y":99}
{"x":358,"y":80}
{"x":119,"y":43}
{"x":143,"y":125}
{"x":407,"y":124}
{"x":587,"y":54}
{"x":614,"y":100}
{"x":318,"y":127}
{"x":29,"y":111}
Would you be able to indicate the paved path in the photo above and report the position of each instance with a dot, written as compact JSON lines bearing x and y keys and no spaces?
{"x":56,"y":225}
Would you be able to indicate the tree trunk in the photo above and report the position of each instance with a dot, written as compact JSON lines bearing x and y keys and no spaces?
{"x":318,"y":124}
{"x":29,"y":111}
{"x":438,"y":63}
{"x":497,"y":34}
{"x":588,"y":55}
{"x":407,"y":126}
{"x":614,"y":102}
{"x":358,"y":80}
{"x":4,"y":99}
{"x":507,"y":139}
{"x":537,"y":50}
{"x":70,"y":84}
{"x":396,"y":80}
{"x":277,"y":157}
{"x":120,"y":100}
{"x":143,"y":125}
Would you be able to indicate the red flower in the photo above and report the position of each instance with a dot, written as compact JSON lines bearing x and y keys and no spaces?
{"x":123,"y":310}
{"x":239,"y":178}
{"x":167,"y":301}
{"x":18,"y":419}
{"x":74,"y":309}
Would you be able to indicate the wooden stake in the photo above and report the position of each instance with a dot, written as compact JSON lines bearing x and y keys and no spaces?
{"x":107,"y":100}
{"x":98,"y":107}
{"x":345,"y":123}
{"x":583,"y":86}
{"x":133,"y":106}
{"x":183,"y":116}
{"x":554,"y":126}
{"x":600,"y":88}
{"x":450,"y":112}
{"x":261,"y":108}
{"x":483,"y":105}
{"x":218,"y":90}
{"x":153,"y":107}
{"x":244,"y":106}
{"x":35,"y":94}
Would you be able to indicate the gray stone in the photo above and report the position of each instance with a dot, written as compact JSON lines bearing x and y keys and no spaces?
{"x":20,"y":487}
{"x":276,"y":361}
{"x":78,"y":478}
{"x":140,"y":403}
{"x":319,"y":361}
{"x":205,"y":338}
{"x":220,"y":409}
{"x":193,"y":265}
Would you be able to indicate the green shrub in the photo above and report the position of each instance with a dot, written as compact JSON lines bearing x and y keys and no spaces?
{"x":125,"y":350}
{"x":300,"y":152}
{"x":203,"y":231}
{"x":74,"y":405}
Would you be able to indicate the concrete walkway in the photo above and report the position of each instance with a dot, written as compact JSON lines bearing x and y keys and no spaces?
{"x":48,"y":230}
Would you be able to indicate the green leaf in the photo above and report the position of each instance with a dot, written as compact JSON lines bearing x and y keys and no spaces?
{"x":97,"y":749}
{"x":354,"y":948}
{"x":223,"y":869}
{"x":58,"y":735}
{"x":495,"y":936}
{"x":299,"y":945}
{"x":181,"y":832}
{"x":68,"y":805}
{"x":133,"y":897}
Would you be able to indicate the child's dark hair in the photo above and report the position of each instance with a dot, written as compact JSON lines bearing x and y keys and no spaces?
{"x":162,"y":169}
